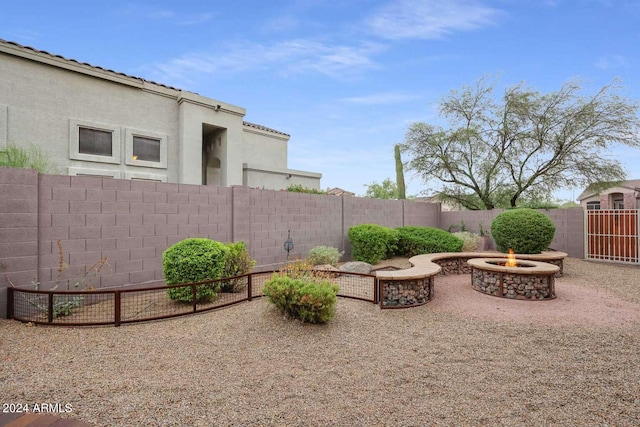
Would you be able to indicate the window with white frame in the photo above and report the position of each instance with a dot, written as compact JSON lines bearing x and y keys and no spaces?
{"x":107,"y":173}
{"x":144,"y":148}
{"x":617,"y":201}
{"x":593,"y":205}
{"x":94,"y":142}
{"x":139,"y":176}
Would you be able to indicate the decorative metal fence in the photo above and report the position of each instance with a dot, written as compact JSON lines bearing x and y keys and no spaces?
{"x":612,"y":235}
{"x":118,"y":306}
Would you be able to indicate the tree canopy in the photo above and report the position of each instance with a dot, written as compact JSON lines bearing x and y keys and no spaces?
{"x":387,"y":190}
{"x":524,"y":145}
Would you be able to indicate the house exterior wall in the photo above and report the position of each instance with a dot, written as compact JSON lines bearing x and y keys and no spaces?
{"x":605,"y":198}
{"x":41,"y":101}
{"x":630,"y":201}
{"x":263,"y":148}
{"x":45,"y":98}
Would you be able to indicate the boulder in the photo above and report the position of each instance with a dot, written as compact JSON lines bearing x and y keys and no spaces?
{"x":356,"y":267}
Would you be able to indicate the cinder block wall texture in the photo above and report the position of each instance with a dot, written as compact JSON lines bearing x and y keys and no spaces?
{"x":132,"y":222}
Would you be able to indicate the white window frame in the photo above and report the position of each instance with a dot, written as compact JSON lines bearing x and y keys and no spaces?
{"x":130,"y":133}
{"x":74,"y":141}
{"x":75,"y":171}
{"x":145,"y":176}
{"x":592,"y":205}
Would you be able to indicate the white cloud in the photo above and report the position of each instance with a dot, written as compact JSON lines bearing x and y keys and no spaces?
{"x":287,"y":57}
{"x":195,"y":19}
{"x":160,"y":14}
{"x":381,"y":98}
{"x":429,"y":19}
{"x":611,"y":61}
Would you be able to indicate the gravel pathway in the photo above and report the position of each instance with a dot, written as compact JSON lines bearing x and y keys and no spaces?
{"x":463,"y":359}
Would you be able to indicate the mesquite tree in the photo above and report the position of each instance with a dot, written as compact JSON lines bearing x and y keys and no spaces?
{"x":525,"y":144}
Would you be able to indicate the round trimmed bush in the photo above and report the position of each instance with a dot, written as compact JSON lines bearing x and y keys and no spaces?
{"x":194,"y":260}
{"x":372,"y":242}
{"x":413,"y":240}
{"x":524,"y":230}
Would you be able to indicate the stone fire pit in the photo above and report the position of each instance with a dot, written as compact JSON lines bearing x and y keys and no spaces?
{"x":528,"y":280}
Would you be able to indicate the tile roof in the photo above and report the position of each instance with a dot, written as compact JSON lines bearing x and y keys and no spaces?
{"x":255,"y":126}
{"x":44,"y":52}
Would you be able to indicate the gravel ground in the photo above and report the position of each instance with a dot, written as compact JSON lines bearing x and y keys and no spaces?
{"x":463,"y":359}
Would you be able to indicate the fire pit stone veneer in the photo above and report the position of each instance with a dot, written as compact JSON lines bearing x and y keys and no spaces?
{"x":528,"y":280}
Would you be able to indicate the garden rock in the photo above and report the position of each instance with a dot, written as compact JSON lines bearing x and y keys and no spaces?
{"x":357,"y":267}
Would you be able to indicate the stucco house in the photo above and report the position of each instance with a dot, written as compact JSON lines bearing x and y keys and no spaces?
{"x":626,"y":195}
{"x":94,"y":121}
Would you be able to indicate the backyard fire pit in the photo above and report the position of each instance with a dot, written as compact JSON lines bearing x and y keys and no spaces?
{"x":512,"y":278}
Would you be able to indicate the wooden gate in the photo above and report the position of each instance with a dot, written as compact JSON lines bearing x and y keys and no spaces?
{"x":612,"y":235}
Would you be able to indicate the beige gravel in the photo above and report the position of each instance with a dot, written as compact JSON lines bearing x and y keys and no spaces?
{"x":464,"y":359}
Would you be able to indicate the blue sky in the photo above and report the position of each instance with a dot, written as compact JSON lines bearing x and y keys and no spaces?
{"x":344,"y":78}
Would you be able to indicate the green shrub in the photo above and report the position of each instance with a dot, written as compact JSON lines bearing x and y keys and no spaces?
{"x":321,"y":255}
{"x":32,"y":157}
{"x":298,"y":188}
{"x":524,"y":230}
{"x":371,"y":242}
{"x":312,"y":301}
{"x":194,"y":260}
{"x":469,"y":240}
{"x":414,"y":240}
{"x":238,"y":263}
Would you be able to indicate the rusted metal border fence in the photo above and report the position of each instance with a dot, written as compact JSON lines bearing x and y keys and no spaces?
{"x":613,"y":235}
{"x":129,"y":305}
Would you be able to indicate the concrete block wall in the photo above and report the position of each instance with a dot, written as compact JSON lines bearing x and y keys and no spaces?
{"x":18,"y":229}
{"x":312,"y":219}
{"x":421,"y":214}
{"x":129,"y":222}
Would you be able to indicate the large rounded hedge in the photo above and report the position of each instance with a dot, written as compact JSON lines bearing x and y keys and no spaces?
{"x":524,"y":230}
{"x":413,"y":240}
{"x":194,"y":260}
{"x":372,"y":242}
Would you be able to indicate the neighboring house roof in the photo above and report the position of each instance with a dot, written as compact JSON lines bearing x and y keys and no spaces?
{"x":632,"y":184}
{"x":339,"y":192}
{"x":70,"y":60}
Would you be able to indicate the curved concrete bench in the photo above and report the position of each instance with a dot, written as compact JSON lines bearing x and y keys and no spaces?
{"x":456,"y":262}
{"x":414,"y":286}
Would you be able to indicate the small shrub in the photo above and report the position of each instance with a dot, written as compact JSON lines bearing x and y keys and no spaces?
{"x":194,"y":260}
{"x":414,"y":240}
{"x":524,"y":230}
{"x":32,"y":157}
{"x":298,"y":188}
{"x":312,"y":301}
{"x":469,"y":240}
{"x":321,"y":255}
{"x":371,"y":242}
{"x":238,"y":263}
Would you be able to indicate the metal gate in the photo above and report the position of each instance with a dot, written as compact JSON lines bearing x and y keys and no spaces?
{"x":612,"y":235}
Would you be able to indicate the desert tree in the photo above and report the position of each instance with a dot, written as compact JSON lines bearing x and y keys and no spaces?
{"x":523,"y":145}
